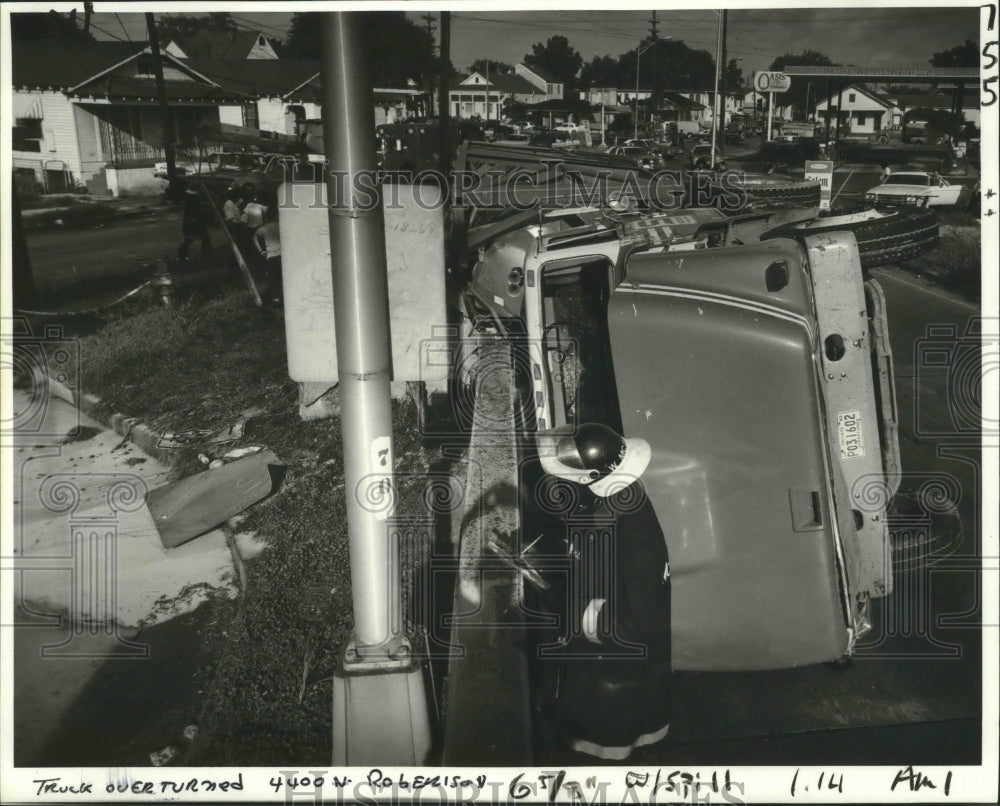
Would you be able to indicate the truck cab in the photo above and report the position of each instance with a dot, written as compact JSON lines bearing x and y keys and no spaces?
{"x":759,"y":373}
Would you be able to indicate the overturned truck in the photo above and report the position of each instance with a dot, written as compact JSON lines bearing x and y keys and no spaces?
{"x":751,"y":351}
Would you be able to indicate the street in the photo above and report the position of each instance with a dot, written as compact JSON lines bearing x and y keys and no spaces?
{"x":65,"y":257}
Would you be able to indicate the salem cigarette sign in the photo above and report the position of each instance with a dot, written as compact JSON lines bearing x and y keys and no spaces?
{"x":769,"y":81}
{"x":821,"y":171}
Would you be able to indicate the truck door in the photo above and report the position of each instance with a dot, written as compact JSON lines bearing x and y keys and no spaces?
{"x":718,"y":365}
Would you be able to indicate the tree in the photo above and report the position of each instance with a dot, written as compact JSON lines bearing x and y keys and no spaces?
{"x":601,"y":71}
{"x":668,"y":65}
{"x":490,"y":66}
{"x":558,"y":57}
{"x":966,"y":55}
{"x":398,"y":50}
{"x":168,"y":28}
{"x":51,"y":25}
{"x":940,"y":122}
{"x":798,"y":92}
{"x":732,"y":78}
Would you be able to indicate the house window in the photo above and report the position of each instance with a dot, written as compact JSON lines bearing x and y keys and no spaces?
{"x":859,"y":118}
{"x":250,"y":119}
{"x":27,"y":134}
{"x":851,"y":97}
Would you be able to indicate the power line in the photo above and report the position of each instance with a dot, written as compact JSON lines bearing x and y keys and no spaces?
{"x":122,"y":26}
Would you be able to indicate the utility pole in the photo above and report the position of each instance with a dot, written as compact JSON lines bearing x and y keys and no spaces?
{"x":715,"y":110}
{"x":88,"y":10}
{"x":167,"y":115}
{"x":722,"y":69}
{"x":429,"y":27}
{"x":444,"y":106}
{"x":652,"y":27}
{"x":380,"y":713}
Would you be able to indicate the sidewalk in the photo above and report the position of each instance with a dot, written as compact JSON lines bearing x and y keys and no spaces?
{"x":93,"y":571}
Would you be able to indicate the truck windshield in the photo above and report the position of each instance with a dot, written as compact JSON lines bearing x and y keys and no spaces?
{"x":576,"y":343}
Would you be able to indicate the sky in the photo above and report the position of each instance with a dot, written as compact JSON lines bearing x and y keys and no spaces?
{"x":863,"y":33}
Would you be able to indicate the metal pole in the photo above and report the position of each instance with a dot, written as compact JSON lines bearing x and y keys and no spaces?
{"x":360,"y":294}
{"x":635,"y":121}
{"x":829,"y":104}
{"x":722,"y":68}
{"x":444,"y":104}
{"x":168,"y":118}
{"x":840,"y":92}
{"x":770,"y":112}
{"x":715,"y":111}
{"x":380,"y":711}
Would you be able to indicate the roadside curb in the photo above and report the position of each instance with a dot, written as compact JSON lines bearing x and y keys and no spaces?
{"x":144,"y":437}
{"x":147,"y":440}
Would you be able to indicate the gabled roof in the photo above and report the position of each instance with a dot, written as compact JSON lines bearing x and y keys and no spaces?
{"x":500,"y":82}
{"x":264,"y":77}
{"x":132,"y":88}
{"x":543,"y":74}
{"x":885,"y":102}
{"x":218,"y":44}
{"x":679,"y":101}
{"x":56,"y":64}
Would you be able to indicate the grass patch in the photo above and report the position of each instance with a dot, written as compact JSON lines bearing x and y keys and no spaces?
{"x":955,"y":261}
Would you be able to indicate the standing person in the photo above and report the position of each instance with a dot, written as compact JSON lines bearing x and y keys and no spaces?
{"x":194,"y":225}
{"x":606,"y":678}
{"x":253,"y":213}
{"x":231,"y":209}
{"x":886,"y":172}
{"x":267,"y":240}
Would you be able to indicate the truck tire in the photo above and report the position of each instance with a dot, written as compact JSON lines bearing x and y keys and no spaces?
{"x":781,"y":190}
{"x":883,"y":237}
{"x":761,"y":190}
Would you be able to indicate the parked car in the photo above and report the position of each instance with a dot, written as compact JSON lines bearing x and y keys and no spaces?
{"x":640,"y":155}
{"x":700,"y":156}
{"x":917,"y":188}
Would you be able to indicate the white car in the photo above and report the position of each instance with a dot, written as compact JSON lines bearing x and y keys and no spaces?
{"x":917,"y":188}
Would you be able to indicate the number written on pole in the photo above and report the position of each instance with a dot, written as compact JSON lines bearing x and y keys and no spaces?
{"x":769,"y":81}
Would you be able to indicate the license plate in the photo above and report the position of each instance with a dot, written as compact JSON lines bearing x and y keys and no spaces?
{"x":852,"y":445}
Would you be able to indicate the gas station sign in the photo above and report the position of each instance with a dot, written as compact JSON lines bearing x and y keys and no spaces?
{"x":770,"y":81}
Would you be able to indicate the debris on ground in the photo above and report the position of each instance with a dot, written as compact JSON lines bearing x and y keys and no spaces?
{"x":196,"y":504}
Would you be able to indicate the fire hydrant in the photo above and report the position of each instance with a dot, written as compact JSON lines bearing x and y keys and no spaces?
{"x":163,"y":283}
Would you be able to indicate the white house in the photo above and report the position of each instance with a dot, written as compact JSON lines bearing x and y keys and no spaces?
{"x":860,"y":112}
{"x":88,"y":113}
{"x":755,"y":103}
{"x":475,"y":95}
{"x":551,"y":87}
